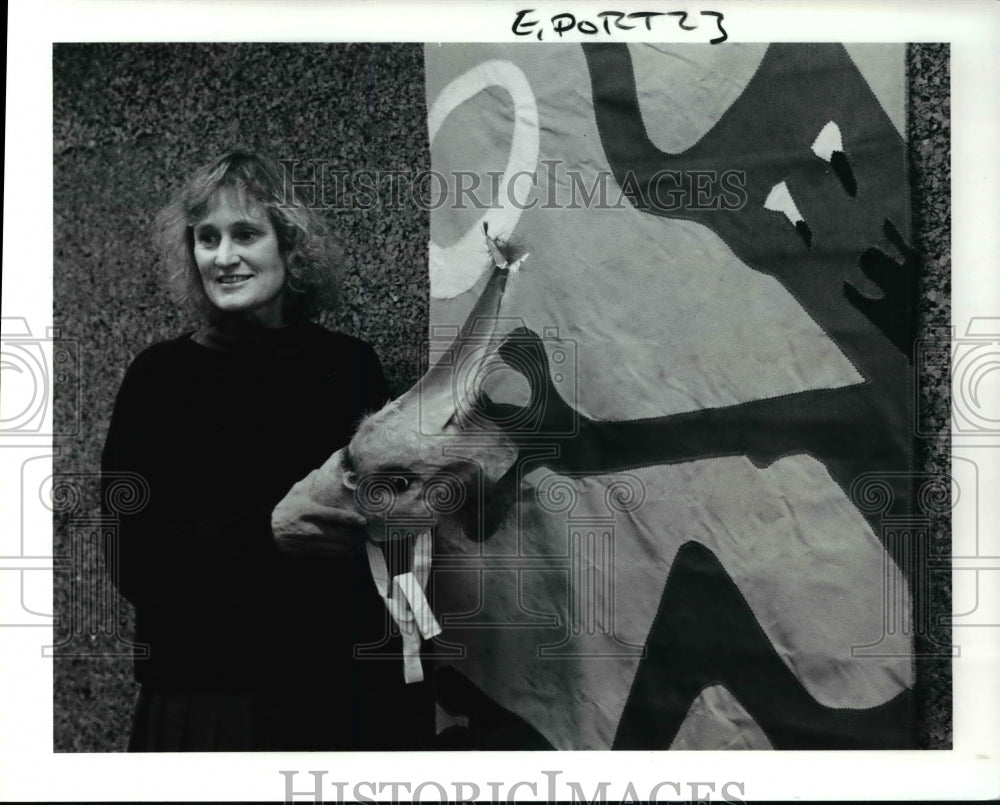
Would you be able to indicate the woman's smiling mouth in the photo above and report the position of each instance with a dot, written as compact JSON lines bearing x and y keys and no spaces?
{"x":234,"y":279}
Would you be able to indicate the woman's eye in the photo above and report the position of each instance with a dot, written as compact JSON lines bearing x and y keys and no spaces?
{"x":207,"y":238}
{"x":245,"y":236}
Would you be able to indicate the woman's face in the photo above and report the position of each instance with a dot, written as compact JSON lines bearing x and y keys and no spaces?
{"x":237,"y":253}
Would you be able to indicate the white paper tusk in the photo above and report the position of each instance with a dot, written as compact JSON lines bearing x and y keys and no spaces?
{"x":409,"y":608}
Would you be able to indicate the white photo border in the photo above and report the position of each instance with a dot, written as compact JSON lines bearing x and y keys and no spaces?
{"x":29,"y":770}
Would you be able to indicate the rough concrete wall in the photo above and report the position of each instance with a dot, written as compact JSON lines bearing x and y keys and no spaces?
{"x":131,"y":121}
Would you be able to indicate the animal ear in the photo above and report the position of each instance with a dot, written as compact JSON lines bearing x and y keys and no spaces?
{"x":499,"y":497}
{"x":479,"y":509}
{"x":545,"y":412}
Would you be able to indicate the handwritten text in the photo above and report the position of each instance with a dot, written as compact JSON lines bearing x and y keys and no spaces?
{"x":608,"y":23}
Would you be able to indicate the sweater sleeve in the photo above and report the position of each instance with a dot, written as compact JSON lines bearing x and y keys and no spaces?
{"x":158,"y":552}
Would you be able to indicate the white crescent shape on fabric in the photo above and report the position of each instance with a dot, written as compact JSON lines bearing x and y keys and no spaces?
{"x":456,"y":269}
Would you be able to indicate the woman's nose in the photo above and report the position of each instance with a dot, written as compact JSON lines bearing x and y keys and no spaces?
{"x":226,"y":254}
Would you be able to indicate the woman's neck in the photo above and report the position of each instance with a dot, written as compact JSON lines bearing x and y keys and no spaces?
{"x":233,"y":333}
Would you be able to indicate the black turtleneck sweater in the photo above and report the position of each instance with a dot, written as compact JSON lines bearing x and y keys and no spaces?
{"x":221,"y":425}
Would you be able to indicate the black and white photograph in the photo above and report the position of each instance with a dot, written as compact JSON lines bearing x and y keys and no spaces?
{"x":413,"y":404}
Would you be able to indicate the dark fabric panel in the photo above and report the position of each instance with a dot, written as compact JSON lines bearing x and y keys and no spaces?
{"x":704,"y":634}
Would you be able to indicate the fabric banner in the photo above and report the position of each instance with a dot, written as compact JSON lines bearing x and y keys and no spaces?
{"x":706,"y":549}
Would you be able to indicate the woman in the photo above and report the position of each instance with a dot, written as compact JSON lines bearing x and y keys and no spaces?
{"x":246,"y":638}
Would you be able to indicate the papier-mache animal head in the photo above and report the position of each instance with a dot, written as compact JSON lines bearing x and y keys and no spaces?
{"x":429,"y":456}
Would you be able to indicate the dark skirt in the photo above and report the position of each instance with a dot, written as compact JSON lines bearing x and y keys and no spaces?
{"x":180,"y":721}
{"x":195,"y":722}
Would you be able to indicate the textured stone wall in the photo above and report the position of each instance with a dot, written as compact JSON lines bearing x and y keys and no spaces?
{"x":131,"y":121}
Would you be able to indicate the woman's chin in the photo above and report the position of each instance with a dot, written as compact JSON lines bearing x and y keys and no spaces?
{"x":232,"y":307}
{"x":267,"y":315}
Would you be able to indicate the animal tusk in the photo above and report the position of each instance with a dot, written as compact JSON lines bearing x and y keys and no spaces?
{"x":409,"y":608}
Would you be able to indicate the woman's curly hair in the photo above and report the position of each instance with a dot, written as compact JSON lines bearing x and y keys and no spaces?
{"x":313,"y":261}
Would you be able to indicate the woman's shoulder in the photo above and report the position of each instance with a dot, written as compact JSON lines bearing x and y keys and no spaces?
{"x":156,"y":367}
{"x":320,"y":333}
{"x":337,"y":342}
{"x":165,"y":351}
{"x":309,"y":340}
{"x":163,"y":359}
{"x":349,"y":356}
